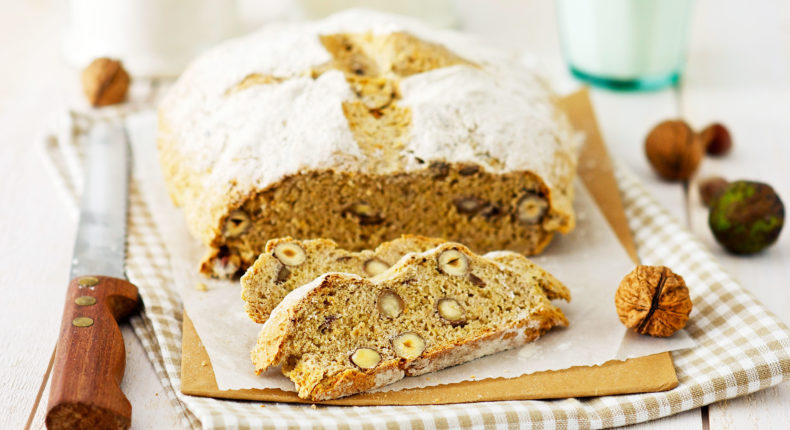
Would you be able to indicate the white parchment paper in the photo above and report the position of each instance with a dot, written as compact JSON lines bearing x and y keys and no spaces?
{"x":590,"y":261}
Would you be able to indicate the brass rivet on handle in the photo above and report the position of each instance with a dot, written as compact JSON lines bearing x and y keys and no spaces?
{"x":82,"y":322}
{"x":88,"y":281}
{"x":85,"y":301}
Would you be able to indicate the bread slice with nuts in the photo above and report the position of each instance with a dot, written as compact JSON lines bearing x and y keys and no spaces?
{"x":343,"y":334}
{"x":289,"y":263}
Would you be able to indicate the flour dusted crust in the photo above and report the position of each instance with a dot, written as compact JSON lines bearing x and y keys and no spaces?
{"x":359,"y":128}
{"x":316,"y":331}
{"x":269,"y":279}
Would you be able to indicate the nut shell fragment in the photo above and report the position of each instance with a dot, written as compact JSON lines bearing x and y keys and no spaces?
{"x":366,"y":358}
{"x":453,"y":262}
{"x":408,"y":345}
{"x":290,"y":254}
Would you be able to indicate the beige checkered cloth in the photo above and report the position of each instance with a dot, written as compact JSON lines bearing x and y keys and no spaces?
{"x":742,"y":346}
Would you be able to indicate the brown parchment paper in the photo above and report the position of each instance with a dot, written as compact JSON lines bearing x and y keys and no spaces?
{"x":643,"y":374}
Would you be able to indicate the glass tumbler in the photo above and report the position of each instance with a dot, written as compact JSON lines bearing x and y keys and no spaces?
{"x":625,"y":44}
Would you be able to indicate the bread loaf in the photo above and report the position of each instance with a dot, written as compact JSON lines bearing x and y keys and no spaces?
{"x":343,"y":334}
{"x":360,"y":128}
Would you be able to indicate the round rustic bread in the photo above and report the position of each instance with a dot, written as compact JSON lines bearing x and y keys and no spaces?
{"x":360,"y":128}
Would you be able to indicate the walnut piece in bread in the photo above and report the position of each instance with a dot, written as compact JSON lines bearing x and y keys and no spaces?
{"x":273,"y":275}
{"x":332,"y":339}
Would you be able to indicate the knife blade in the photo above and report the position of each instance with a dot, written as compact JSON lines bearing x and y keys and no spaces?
{"x":90,"y":356}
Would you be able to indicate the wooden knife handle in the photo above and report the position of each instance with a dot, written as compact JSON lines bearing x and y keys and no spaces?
{"x":85,"y":392}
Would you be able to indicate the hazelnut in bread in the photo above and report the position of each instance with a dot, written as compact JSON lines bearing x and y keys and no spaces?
{"x":343,"y":334}
{"x":288,"y":263}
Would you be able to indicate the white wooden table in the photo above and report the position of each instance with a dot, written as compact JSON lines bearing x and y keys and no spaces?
{"x":738,"y":73}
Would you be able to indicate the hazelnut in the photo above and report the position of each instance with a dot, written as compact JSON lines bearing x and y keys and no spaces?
{"x":289,"y":253}
{"x":746,"y":217}
{"x":468,"y":205}
{"x":453,"y":262}
{"x":390,"y":304}
{"x":236,"y":223}
{"x":365,"y":213}
{"x":375,"y":266}
{"x":531,"y":208}
{"x":451,"y":311}
{"x":653,"y":300}
{"x":408,"y":345}
{"x":674,"y":150}
{"x":716,"y":139}
{"x":366,"y":358}
{"x":711,"y":188}
{"x":105,"y":82}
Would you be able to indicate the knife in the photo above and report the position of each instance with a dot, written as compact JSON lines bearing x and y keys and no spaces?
{"x":90,"y":356}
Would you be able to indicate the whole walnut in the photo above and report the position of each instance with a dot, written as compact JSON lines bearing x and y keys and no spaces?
{"x":653,"y":300}
{"x":746,"y":217}
{"x":105,"y":82}
{"x":674,"y":150}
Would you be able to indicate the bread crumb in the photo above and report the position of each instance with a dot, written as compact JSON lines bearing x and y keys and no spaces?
{"x":201,"y":287}
{"x":263,"y":406}
{"x":472,"y":376}
{"x":204,"y":363}
{"x":313,"y":406}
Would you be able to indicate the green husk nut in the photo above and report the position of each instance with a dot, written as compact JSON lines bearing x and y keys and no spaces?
{"x":746,"y":217}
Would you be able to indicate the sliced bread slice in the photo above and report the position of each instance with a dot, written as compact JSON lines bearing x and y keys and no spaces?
{"x":342,"y":334}
{"x":289,"y":263}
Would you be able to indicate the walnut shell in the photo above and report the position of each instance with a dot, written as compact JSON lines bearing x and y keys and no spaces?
{"x":674,"y":150}
{"x":653,"y":300}
{"x":105,"y":82}
{"x":746,"y":217}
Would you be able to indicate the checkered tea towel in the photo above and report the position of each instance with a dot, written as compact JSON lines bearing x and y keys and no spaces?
{"x":741,"y":348}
